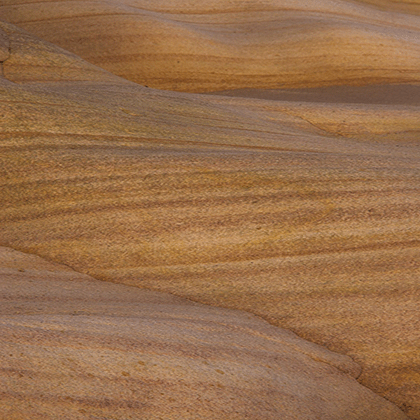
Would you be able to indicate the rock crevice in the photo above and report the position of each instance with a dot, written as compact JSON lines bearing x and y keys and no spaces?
{"x":4,"y":50}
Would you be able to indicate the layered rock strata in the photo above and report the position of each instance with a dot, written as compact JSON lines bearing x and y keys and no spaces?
{"x":301,"y":212}
{"x":77,"y":348}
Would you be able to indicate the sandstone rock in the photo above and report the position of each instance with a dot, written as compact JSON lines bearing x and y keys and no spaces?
{"x":32,"y":60}
{"x":184,"y":46}
{"x":4,"y":46}
{"x":267,"y":206}
{"x":76,"y":348}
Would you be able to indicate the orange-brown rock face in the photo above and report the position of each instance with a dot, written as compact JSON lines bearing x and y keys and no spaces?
{"x":77,"y":348}
{"x":196,"y":47}
{"x":303,"y":209}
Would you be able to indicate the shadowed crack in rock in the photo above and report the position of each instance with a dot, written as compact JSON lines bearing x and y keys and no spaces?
{"x":4,"y":50}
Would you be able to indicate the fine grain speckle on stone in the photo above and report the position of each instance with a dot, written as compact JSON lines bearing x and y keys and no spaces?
{"x":77,"y":348}
{"x":292,"y":194}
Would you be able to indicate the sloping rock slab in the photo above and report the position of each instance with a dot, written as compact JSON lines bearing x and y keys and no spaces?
{"x":77,"y":348}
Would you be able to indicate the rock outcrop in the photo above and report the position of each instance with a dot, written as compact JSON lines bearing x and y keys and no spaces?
{"x":220,"y":44}
{"x":302,"y":212}
{"x":77,"y":348}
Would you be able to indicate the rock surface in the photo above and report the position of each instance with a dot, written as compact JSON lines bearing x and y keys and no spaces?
{"x":4,"y":46}
{"x":77,"y":348}
{"x":303,"y":212}
{"x":4,"y":50}
{"x":220,"y":44}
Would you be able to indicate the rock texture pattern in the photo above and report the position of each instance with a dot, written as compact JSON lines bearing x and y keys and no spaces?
{"x":305,"y":212}
{"x":77,"y":348}
{"x":221,"y":44}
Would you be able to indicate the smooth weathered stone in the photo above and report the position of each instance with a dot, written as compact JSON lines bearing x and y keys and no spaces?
{"x":304,"y":212}
{"x":74,"y":347}
{"x":199,"y":47}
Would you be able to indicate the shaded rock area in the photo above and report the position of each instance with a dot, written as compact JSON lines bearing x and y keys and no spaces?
{"x":4,"y":46}
{"x":35,"y":60}
{"x":77,"y":348}
{"x":4,"y":50}
{"x":369,"y":94}
{"x":402,"y":6}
